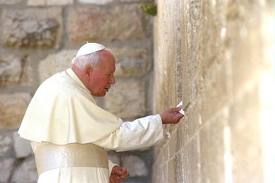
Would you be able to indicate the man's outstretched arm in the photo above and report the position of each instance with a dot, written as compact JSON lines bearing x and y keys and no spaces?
{"x":140,"y":133}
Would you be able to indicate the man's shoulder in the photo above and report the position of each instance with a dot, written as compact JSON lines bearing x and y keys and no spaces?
{"x":58,"y":84}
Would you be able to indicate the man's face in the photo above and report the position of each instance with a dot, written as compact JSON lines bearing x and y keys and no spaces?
{"x":102,"y":76}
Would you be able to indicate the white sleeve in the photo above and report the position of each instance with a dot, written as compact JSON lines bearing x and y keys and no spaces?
{"x":138,"y":134}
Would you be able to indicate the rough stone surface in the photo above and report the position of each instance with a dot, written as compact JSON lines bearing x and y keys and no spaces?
{"x":5,"y":145}
{"x":10,"y":2}
{"x":10,"y":68}
{"x":22,"y":147}
{"x":135,"y":166}
{"x":55,"y":63}
{"x":211,"y":54}
{"x":31,"y":28}
{"x":246,"y":146}
{"x":135,"y":1}
{"x":131,"y":62}
{"x":212,"y":159}
{"x":25,"y":172}
{"x":114,"y":157}
{"x":99,"y":24}
{"x":49,"y":2}
{"x":126,"y":99}
{"x":6,"y":169}
{"x":12,"y":109}
{"x":101,"y":2}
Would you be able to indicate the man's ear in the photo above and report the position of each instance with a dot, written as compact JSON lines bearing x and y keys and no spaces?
{"x":88,"y":71}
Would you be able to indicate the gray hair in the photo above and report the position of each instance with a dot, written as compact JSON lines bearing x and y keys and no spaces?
{"x":82,"y":61}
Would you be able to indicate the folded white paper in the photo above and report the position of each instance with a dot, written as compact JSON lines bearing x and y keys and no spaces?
{"x":180,"y":105}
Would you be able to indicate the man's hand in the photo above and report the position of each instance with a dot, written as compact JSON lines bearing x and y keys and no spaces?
{"x":118,"y":174}
{"x":171,"y":115}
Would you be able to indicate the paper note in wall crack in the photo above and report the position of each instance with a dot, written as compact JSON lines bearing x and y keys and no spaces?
{"x":180,"y":105}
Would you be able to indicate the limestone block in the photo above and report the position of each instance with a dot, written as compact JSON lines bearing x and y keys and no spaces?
{"x":187,"y":129}
{"x":246,"y":137}
{"x":97,"y":24}
{"x":164,"y":173}
{"x":12,"y":109}
{"x":37,"y":2}
{"x":167,"y":45}
{"x":131,"y":61}
{"x":10,"y":68}
{"x":6,"y":169}
{"x":49,"y":2}
{"x":22,"y":147}
{"x":172,"y":171}
{"x":25,"y":172}
{"x":9,"y":2}
{"x":213,"y":32}
{"x":5,"y":145}
{"x":100,"y":2}
{"x":179,"y":165}
{"x":31,"y":28}
{"x":55,"y":63}
{"x":190,"y":163}
{"x":126,"y":99}
{"x":132,"y":1}
{"x":135,"y":166}
{"x":215,"y":90}
{"x":114,"y":157}
{"x":245,"y":42}
{"x":172,"y":145}
{"x":212,"y":150}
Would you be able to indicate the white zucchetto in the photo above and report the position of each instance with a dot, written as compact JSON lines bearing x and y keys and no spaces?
{"x":89,"y":48}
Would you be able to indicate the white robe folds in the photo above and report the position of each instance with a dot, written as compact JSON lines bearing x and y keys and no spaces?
{"x":62,"y":111}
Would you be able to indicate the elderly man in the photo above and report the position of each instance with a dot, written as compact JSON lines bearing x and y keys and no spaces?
{"x":70,"y":134}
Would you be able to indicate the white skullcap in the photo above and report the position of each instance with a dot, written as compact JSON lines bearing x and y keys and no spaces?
{"x":89,"y":48}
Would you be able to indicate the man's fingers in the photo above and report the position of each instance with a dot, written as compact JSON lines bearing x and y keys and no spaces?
{"x":175,"y":109}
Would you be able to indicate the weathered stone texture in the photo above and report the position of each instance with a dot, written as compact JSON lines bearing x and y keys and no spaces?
{"x":21,"y":146}
{"x":212,"y":150}
{"x":188,"y":164}
{"x":6,"y":169}
{"x":215,"y":92}
{"x":31,"y":28}
{"x":55,"y":63}
{"x":5,"y":145}
{"x":245,"y":31}
{"x":10,"y":2}
{"x":100,"y":2}
{"x":99,"y":24}
{"x":10,"y":68}
{"x":12,"y":109}
{"x":135,"y":166}
{"x":166,"y":46}
{"x":246,"y":138}
{"x":114,"y":157}
{"x":127,"y":99}
{"x":132,"y":62}
{"x":49,"y":2}
{"x":210,"y":53}
{"x":25,"y":172}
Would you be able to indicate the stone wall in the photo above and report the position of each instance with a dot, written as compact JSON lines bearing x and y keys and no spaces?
{"x":40,"y":37}
{"x":217,"y":56}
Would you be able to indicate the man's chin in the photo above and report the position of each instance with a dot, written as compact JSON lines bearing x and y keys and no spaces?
{"x":102,"y":94}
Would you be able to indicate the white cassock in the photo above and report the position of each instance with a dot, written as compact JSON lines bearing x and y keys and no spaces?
{"x":70,"y":133}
